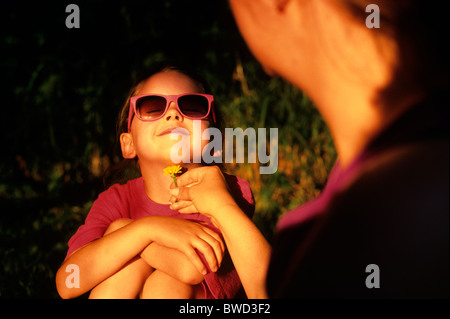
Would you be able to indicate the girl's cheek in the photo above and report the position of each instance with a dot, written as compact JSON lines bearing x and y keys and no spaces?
{"x":197,"y":142}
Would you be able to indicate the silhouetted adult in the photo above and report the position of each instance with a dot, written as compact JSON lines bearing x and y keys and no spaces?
{"x":380,"y":228}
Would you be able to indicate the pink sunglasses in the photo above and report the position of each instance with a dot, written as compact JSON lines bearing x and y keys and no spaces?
{"x":152,"y":107}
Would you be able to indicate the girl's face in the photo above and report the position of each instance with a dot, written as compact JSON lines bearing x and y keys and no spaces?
{"x":151,"y":140}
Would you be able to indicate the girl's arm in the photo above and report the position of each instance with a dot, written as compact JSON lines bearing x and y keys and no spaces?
{"x":206,"y":188}
{"x":168,"y":260}
{"x":103,"y":257}
{"x":172,"y":262}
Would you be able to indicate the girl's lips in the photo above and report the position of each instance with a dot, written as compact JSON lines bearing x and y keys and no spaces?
{"x":179,"y":130}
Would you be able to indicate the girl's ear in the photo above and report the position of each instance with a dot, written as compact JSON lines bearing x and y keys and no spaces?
{"x":127,"y":146}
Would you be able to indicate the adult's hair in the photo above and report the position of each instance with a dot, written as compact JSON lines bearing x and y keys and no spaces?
{"x":418,"y":27}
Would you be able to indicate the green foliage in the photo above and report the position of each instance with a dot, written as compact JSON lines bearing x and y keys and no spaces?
{"x":63,"y":89}
{"x":305,"y":149}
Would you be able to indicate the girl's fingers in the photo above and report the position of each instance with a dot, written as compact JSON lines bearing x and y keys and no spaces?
{"x":217,"y":238}
{"x":195,"y":259}
{"x":212,"y":247}
{"x":205,"y":187}
{"x":183,"y":206}
{"x":180,"y":194}
{"x":206,"y":241}
{"x":205,"y":246}
{"x":190,"y":177}
{"x":187,"y":237}
{"x":211,"y":252}
{"x":188,"y":210}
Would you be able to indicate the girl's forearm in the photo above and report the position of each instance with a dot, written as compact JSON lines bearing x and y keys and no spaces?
{"x":248,"y":249}
{"x":207,"y":189}
{"x":103,"y":257}
{"x":172,"y":262}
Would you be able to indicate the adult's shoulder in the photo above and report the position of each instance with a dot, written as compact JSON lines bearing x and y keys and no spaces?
{"x":392,"y":212}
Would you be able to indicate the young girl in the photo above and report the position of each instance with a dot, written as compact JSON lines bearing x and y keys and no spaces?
{"x":132,"y":243}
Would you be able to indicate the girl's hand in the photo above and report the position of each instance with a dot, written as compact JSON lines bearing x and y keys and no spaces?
{"x":207,"y":189}
{"x":187,"y":237}
{"x":183,"y":206}
{"x":202,"y":190}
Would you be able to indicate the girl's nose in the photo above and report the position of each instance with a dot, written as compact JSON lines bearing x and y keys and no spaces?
{"x":172,"y":113}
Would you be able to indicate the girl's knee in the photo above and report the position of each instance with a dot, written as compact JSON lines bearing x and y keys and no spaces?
{"x":117,"y":224}
{"x":159,"y":285}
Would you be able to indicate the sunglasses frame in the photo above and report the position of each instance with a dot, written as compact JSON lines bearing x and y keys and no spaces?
{"x":169,"y":99}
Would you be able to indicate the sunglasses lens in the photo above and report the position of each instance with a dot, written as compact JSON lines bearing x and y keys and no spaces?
{"x":195,"y":106}
{"x":150,"y":107}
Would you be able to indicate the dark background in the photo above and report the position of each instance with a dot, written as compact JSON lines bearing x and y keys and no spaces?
{"x":62,"y":90}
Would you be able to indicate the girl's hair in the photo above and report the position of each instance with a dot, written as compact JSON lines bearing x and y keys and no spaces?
{"x":128,"y":169}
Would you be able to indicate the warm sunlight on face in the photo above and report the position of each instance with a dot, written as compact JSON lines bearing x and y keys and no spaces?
{"x":152,"y":139}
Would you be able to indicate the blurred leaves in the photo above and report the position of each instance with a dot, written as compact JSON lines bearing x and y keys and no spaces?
{"x":62,"y":91}
{"x":306,"y":152}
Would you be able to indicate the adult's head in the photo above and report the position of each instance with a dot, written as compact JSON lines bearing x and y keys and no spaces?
{"x":360,"y":78}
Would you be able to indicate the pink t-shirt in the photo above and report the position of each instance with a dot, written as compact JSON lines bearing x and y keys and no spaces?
{"x":130,"y":201}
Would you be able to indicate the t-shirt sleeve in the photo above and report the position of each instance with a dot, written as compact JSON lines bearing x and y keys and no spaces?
{"x":109,"y":206}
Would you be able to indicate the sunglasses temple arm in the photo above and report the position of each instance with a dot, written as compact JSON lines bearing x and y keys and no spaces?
{"x":213,"y":114}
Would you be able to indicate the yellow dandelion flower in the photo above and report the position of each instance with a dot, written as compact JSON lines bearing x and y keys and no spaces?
{"x":172,"y":170}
